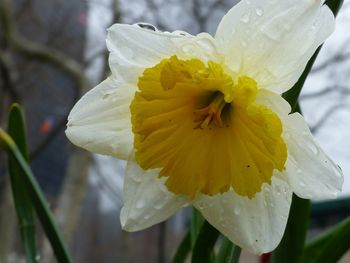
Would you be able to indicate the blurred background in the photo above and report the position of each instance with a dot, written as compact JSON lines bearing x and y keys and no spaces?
{"x":53,"y":51}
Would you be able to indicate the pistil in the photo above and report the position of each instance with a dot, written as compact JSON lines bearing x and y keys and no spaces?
{"x":211,"y":113}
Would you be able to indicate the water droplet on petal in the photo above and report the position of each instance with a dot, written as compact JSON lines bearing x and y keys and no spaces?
{"x":302,"y":184}
{"x":158,"y":206}
{"x":248,"y":2}
{"x":147,"y":216}
{"x":140,"y":204}
{"x":245,"y":18}
{"x":105,"y":96}
{"x":146,"y":26}
{"x":181,"y":33}
{"x":137,"y":179}
{"x":312,"y":146}
{"x":237,"y":210}
{"x":243,"y":43}
{"x":259,"y":11}
{"x":299,"y":171}
{"x":286,"y":135}
{"x":267,"y":189}
{"x":200,"y":206}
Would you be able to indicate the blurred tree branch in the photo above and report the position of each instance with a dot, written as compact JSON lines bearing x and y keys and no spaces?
{"x":7,"y":82}
{"x":36,"y":51}
{"x":342,"y":90}
{"x":337,"y":58}
{"x":326,"y":116}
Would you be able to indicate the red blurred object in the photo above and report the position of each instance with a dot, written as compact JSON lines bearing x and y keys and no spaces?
{"x":265,"y":258}
{"x":47,"y":125}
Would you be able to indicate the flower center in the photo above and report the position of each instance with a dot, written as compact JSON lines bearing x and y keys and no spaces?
{"x":211,"y":113}
{"x":204,"y":130}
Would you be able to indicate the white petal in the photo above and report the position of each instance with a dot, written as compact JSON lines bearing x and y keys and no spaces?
{"x":254,"y":224}
{"x":271,"y":41}
{"x":274,"y":101}
{"x":139,"y":48}
{"x":147,"y":201}
{"x":311,"y":173}
{"x":100,"y":121}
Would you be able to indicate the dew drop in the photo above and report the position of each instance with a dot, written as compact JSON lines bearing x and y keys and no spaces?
{"x":267,"y":189}
{"x":286,"y":135}
{"x":248,"y":2}
{"x":299,"y":171}
{"x":137,"y":179}
{"x":245,"y":18}
{"x":278,"y":191}
{"x":158,"y":206}
{"x":106,"y":95}
{"x":147,"y":26}
{"x":140,"y":204}
{"x":243,"y":43}
{"x":237,"y":210}
{"x":311,"y":145}
{"x":181,"y":33}
{"x":302,"y":184}
{"x":200,"y":206}
{"x":259,"y":11}
{"x":147,"y":216}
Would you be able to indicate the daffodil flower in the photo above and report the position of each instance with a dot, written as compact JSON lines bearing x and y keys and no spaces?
{"x":201,"y":120}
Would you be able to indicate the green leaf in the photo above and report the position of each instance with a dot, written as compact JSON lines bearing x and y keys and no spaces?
{"x":204,"y":246}
{"x":330,"y":246}
{"x":335,"y":5}
{"x":196,"y":224}
{"x":291,"y":247}
{"x":228,"y":253}
{"x":183,"y":250}
{"x":41,"y":207}
{"x":23,"y":204}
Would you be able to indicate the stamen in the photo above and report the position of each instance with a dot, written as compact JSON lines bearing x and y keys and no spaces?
{"x":211,"y":113}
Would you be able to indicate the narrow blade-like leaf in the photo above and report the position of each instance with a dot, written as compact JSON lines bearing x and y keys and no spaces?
{"x":41,"y":207}
{"x":22,"y":201}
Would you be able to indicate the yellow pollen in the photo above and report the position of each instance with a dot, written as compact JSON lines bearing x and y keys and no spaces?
{"x":204,"y":130}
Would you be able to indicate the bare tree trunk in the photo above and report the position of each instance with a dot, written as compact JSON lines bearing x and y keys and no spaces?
{"x":71,"y":199}
{"x":8,"y":223}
